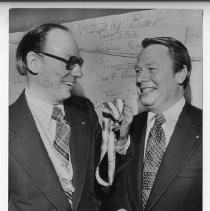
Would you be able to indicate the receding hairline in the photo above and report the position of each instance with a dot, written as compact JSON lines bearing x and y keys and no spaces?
{"x":52,"y":35}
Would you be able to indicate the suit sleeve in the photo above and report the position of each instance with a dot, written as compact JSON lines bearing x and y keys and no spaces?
{"x":116,"y":196}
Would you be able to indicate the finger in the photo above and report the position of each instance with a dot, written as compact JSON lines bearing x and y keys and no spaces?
{"x":106,"y":108}
{"x":114,"y":110}
{"x":128,"y":114}
{"x":128,"y":110}
{"x":119,"y":103}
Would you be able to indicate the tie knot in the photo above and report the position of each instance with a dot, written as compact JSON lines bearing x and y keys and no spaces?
{"x":57,"y":113}
{"x":159,"y":119}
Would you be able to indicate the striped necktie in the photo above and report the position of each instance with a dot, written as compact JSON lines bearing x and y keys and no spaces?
{"x":155,"y":149}
{"x":61,"y":146}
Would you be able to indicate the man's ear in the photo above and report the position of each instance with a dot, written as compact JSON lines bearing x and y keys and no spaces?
{"x":33,"y":62}
{"x":181,"y":75}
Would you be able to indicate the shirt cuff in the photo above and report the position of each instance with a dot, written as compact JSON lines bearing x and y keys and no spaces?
{"x":123,"y":149}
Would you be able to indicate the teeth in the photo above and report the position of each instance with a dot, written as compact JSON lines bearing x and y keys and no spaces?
{"x":146,"y":90}
{"x":68,"y":83}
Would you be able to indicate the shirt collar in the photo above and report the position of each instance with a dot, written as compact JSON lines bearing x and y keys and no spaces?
{"x":172,"y":114}
{"x":40,"y":108}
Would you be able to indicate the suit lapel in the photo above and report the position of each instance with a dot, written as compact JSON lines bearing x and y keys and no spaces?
{"x":180,"y":149}
{"x":79,"y":148}
{"x":28,"y":149}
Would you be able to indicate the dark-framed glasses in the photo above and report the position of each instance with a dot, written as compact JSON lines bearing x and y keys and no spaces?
{"x":70,"y":63}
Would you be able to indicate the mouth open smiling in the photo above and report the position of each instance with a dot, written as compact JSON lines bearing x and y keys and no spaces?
{"x":68,"y":83}
{"x":147,"y":90}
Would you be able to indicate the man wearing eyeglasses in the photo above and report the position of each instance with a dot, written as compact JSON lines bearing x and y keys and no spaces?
{"x":55,"y":138}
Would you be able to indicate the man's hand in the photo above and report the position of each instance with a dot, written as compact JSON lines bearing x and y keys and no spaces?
{"x":125,"y":125}
{"x":121,"y":115}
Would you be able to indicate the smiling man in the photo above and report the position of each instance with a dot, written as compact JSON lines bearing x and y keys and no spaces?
{"x":54,"y":137}
{"x":166,"y":171}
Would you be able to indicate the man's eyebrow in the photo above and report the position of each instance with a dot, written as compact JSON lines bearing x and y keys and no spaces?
{"x":146,"y":64}
{"x":150,"y":63}
{"x":70,"y":55}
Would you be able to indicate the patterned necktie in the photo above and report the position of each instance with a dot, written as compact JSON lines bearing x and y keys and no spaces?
{"x":155,"y":149}
{"x":61,"y":146}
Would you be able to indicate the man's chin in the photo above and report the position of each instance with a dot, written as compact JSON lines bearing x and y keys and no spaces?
{"x":66,"y":96}
{"x":147,"y":101}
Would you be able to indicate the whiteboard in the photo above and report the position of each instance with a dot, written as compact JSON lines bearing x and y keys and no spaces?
{"x":110,"y":45}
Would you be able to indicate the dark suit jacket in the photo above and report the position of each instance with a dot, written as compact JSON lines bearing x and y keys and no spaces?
{"x":178,"y":185}
{"x":33,"y":182}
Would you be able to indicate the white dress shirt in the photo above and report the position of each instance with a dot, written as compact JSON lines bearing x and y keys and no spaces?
{"x":42,"y":113}
{"x":171,"y":115}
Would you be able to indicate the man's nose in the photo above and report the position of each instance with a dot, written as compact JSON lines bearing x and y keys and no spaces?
{"x":142,"y":76}
{"x":77,"y":71}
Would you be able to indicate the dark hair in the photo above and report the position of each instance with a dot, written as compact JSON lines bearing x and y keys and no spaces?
{"x":177,"y":51}
{"x":33,"y":40}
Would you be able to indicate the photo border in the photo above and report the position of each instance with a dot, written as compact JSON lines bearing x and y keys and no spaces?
{"x":4,"y":52}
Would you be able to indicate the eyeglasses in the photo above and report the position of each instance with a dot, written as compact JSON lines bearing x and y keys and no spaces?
{"x":70,"y":63}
